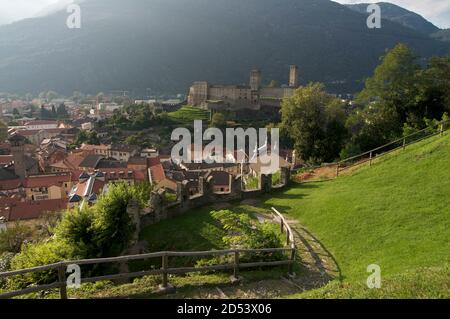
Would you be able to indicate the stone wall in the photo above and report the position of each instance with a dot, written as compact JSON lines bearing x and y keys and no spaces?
{"x":159,"y":209}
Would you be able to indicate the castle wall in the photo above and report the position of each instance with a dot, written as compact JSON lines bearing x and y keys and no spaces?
{"x":160,"y":210}
{"x":234,"y":97}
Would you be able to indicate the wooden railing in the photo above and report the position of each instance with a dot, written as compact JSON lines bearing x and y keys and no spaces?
{"x":376,"y":153}
{"x":398,"y":144}
{"x":165,"y":270}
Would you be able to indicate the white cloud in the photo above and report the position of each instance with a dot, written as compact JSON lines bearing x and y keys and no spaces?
{"x":436,"y":11}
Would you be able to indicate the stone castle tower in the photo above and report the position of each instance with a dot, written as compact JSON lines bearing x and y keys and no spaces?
{"x":255,"y":80}
{"x":293,"y":76}
{"x":18,"y":151}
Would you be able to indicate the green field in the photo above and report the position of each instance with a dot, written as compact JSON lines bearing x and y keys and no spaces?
{"x":187,"y":115}
{"x":395,"y":214}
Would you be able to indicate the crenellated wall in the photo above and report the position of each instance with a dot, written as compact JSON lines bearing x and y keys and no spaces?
{"x":159,"y":209}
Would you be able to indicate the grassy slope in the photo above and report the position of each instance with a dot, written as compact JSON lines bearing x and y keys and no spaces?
{"x":422,"y":283}
{"x":188,"y":114}
{"x":395,"y":214}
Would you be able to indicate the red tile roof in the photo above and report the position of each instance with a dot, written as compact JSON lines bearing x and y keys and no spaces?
{"x":32,"y":209}
{"x":6,"y":159}
{"x":71,"y":162}
{"x":34,"y":132}
{"x":47,"y":180}
{"x":152,"y":161}
{"x":10,"y":184}
{"x":41,"y":122}
{"x":157,"y":172}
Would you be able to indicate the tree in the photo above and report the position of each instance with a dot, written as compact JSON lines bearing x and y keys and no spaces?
{"x":45,"y":114}
{"x":53,"y":113}
{"x":374,"y":125}
{"x":47,"y":223}
{"x":86,"y":137}
{"x":112,"y":225}
{"x":398,"y":98}
{"x":310,"y":118}
{"x":104,"y":229}
{"x":13,"y":237}
{"x":218,"y":121}
{"x":433,"y":91}
{"x":393,"y":85}
{"x":61,"y":111}
{"x":16,"y":113}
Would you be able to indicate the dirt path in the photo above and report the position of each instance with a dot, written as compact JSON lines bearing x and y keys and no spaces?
{"x":317,"y":264}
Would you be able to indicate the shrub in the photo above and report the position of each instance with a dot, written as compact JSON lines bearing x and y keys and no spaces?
{"x":5,"y":265}
{"x":75,"y":229}
{"x":251,"y":183}
{"x":102,"y":230}
{"x":34,"y":255}
{"x":245,"y":233}
{"x":13,"y":237}
{"x":276,"y":178}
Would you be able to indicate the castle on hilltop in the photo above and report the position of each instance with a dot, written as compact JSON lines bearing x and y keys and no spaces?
{"x":235,"y":97}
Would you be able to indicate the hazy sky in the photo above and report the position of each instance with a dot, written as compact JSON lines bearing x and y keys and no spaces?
{"x":437,"y":11}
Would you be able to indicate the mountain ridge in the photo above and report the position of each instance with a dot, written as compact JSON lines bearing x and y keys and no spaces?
{"x":167,"y":45}
{"x":399,"y":15}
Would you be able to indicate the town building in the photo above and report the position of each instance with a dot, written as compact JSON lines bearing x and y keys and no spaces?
{"x":120,"y":152}
{"x":41,"y":125}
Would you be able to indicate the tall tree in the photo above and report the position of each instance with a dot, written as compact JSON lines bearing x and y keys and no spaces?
{"x":433,"y":97}
{"x":61,"y":111}
{"x":393,"y":84}
{"x":311,"y":119}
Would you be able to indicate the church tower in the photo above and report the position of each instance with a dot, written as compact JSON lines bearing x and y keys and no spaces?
{"x":255,"y":80}
{"x":293,"y":76}
{"x":18,"y":151}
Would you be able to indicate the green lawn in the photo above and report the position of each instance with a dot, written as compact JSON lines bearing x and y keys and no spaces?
{"x":421,"y":283}
{"x":395,"y":214}
{"x":196,"y":230}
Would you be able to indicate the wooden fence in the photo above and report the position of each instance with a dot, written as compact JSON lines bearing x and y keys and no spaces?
{"x":372,"y":155}
{"x":164,"y":271}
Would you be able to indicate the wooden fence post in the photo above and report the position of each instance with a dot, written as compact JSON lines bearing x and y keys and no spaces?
{"x":281,"y":225}
{"x":236,"y":265}
{"x":442,"y":129}
{"x":62,"y":281}
{"x":165,"y":266}
{"x":370,"y":161}
{"x":337,"y":170}
{"x":404,"y":143}
{"x":291,"y":264}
